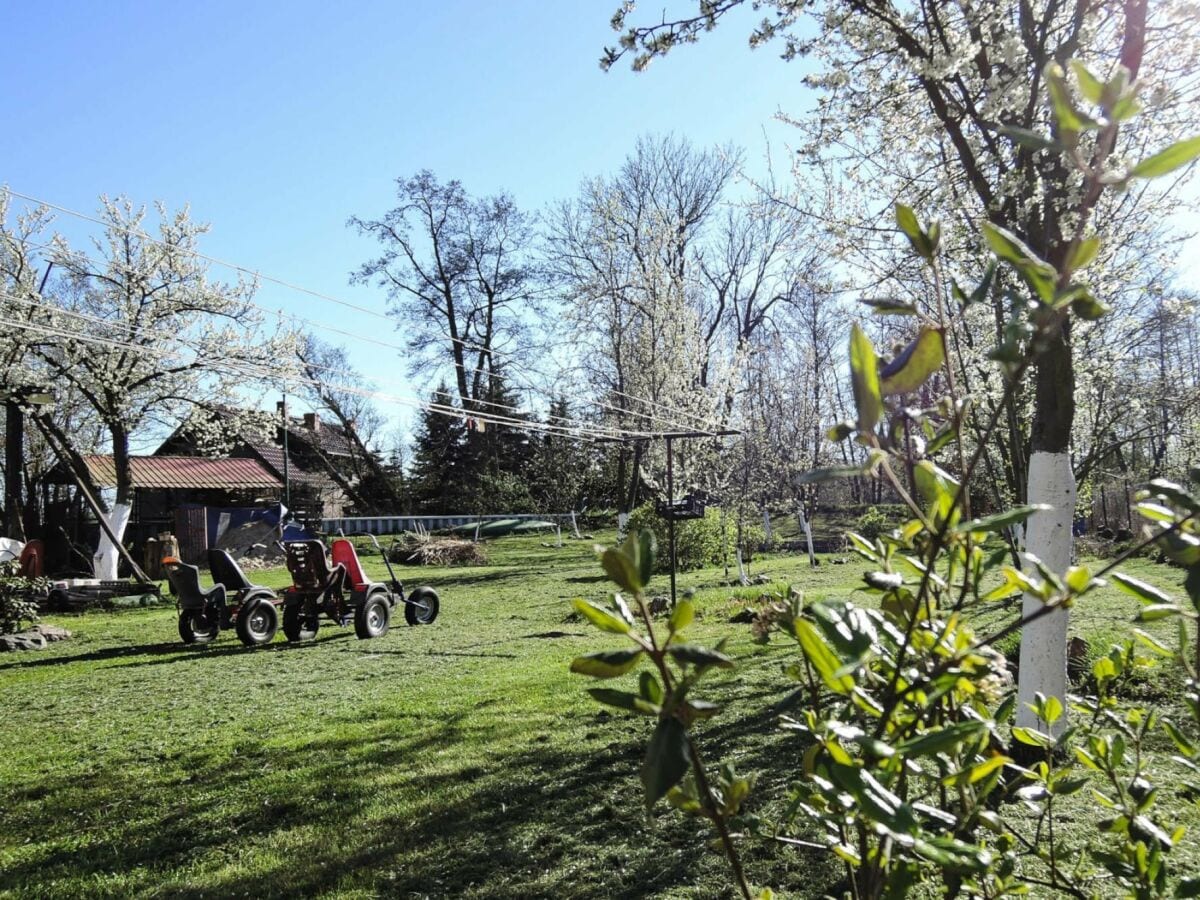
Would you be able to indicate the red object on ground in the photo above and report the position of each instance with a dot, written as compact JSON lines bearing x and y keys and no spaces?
{"x":32,"y":558}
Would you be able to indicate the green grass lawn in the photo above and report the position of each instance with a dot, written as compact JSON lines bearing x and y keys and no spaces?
{"x":458,"y":759}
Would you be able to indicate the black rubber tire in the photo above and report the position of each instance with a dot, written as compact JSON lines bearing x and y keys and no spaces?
{"x":428,"y":598}
{"x":198,"y":626}
{"x":297,"y":626}
{"x":58,"y":601}
{"x":373,"y":618}
{"x":258,"y":622}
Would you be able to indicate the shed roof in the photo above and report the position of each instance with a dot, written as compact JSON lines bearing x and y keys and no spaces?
{"x":184,"y":472}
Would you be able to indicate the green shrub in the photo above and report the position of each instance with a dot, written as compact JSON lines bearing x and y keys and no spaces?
{"x":698,"y":542}
{"x":873,"y":523}
{"x":17,"y":604}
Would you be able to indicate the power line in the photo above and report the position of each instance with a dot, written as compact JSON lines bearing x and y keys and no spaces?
{"x":142,"y":331}
{"x":345,"y":303}
{"x":249,"y":369}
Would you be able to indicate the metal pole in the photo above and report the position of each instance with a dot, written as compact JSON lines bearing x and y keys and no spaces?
{"x":14,"y":452}
{"x":671,"y":515}
{"x":287,"y":484}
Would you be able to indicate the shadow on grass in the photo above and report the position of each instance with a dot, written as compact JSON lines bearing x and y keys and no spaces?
{"x":540,"y":821}
{"x":172,"y":652}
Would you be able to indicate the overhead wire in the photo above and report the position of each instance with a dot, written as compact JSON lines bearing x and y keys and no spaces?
{"x":705,"y":424}
{"x":574,"y":424}
{"x":263,"y":372}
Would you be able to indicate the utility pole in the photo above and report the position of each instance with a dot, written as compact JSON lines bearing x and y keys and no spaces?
{"x":287,"y":484}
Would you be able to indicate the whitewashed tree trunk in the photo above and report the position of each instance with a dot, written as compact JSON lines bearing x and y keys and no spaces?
{"x":806,"y":527}
{"x":768,"y":535}
{"x":622,"y":524}
{"x":105,"y":560}
{"x":1043,"y":666}
{"x":742,"y":576}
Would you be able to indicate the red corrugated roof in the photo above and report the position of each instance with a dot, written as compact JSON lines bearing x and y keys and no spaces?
{"x":185,"y":472}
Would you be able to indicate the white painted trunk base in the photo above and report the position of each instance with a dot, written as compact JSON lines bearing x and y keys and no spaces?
{"x":742,"y":576}
{"x":767,"y":533}
{"x":105,"y":560}
{"x":622,"y":524}
{"x":806,"y":527}
{"x":1043,"y":666}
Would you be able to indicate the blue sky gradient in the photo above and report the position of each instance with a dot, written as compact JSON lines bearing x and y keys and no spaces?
{"x":277,"y":121}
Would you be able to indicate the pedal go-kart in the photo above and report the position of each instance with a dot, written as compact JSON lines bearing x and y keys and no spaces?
{"x":342,"y":592}
{"x":233,"y":600}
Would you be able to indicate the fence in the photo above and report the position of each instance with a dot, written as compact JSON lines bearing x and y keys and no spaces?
{"x":397,"y":524}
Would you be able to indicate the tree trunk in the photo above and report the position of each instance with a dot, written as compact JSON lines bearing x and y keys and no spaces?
{"x":1051,"y":481}
{"x":107,"y":556}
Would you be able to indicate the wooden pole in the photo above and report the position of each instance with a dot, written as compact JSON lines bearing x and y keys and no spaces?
{"x":91,"y":502}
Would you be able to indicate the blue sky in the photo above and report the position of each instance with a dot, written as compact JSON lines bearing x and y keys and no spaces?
{"x":278,"y":121}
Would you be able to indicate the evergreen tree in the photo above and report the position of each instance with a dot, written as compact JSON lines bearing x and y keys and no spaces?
{"x":439,"y":479}
{"x":562,"y":467}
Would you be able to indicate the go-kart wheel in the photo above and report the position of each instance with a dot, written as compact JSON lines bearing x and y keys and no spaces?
{"x":198,"y":626}
{"x":371,"y":620}
{"x":422,"y":607}
{"x":257,"y":624}
{"x":297,"y":626}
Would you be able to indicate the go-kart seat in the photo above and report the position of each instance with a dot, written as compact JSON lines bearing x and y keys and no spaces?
{"x":345,"y":555}
{"x":227,"y":572}
{"x":309,"y":567}
{"x":185,"y":580}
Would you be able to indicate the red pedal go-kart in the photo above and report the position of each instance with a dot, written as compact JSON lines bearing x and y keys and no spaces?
{"x":342,"y":592}
{"x":232,"y":601}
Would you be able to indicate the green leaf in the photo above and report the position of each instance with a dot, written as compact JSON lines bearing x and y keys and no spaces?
{"x":937,"y":488}
{"x":1001,"y":520}
{"x":840,"y":431}
{"x":701,"y":657}
{"x":621,"y":569}
{"x":864,"y":378}
{"x":1031,"y":140}
{"x":1051,"y":710}
{"x":884,"y":306}
{"x":1068,"y":117}
{"x":1144,"y":591}
{"x":649,"y":687}
{"x":1156,"y":611}
{"x":922,"y":243}
{"x":953,"y":854}
{"x":1089,"y":85}
{"x":1038,"y":273}
{"x":912,"y":368}
{"x":624,"y":700}
{"x":667,"y":760}
{"x":1084,"y":253}
{"x":1032,"y":737}
{"x":1174,"y":493}
{"x":941,"y":739}
{"x":1086,"y":305}
{"x":1174,"y":157}
{"x":601,"y":618}
{"x":822,"y":657}
{"x":606,"y":663}
{"x":681,"y":616}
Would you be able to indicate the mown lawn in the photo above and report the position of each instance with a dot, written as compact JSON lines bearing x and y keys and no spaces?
{"x":453,"y":760}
